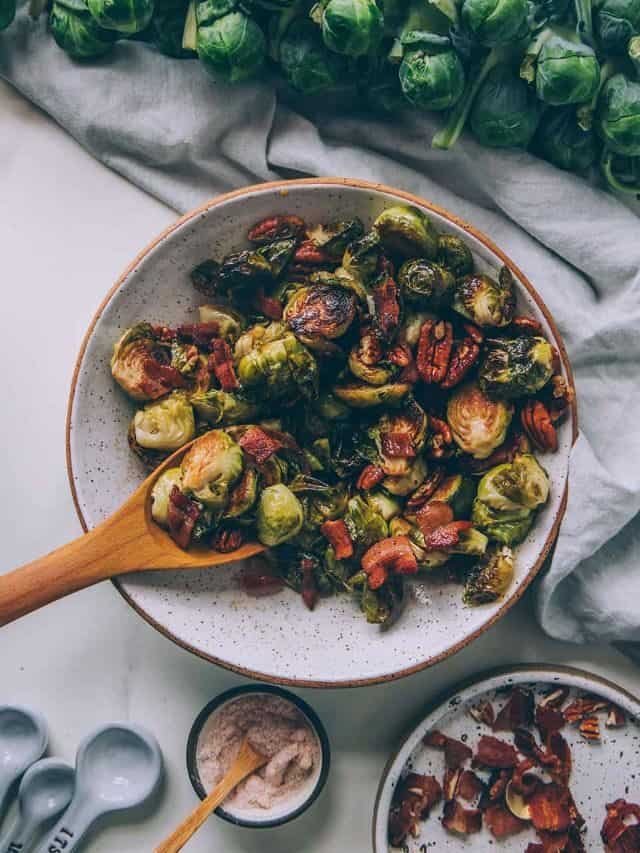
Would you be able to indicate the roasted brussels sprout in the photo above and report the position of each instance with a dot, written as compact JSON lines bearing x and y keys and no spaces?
{"x":307,"y":64}
{"x":360,"y":259}
{"x":505,"y":113}
{"x":329,"y":504}
{"x":352,"y":27}
{"x":616,"y":22}
{"x":7,"y":13}
{"x":618,"y":118}
{"x":472,"y":543}
{"x":399,"y":437}
{"x":409,"y":482}
{"x":564,"y":69}
{"x":124,"y":16}
{"x":455,"y":255}
{"x":509,"y":527}
{"x":379,"y":373}
{"x":76,"y":31}
{"x":426,"y":283}
{"x":485,"y":301}
{"x":231,"y":48}
{"x":278,"y":254}
{"x":160,"y":492}
{"x":279,"y":369}
{"x":136,"y":368}
{"x":166,"y":424}
{"x":457,"y":491}
{"x":258,"y":335}
{"x":210,"y":468}
{"x":334,"y":237}
{"x":243,"y":495}
{"x":521,"y":484}
{"x":491,"y":578}
{"x":318,"y":315}
{"x":220,"y":408}
{"x":407,"y":232}
{"x":516,"y":367}
{"x":381,"y":606}
{"x":495,"y":22}
{"x":478,"y":424}
{"x":364,"y":523}
{"x":229,"y":322}
{"x":384,"y":504}
{"x":364,"y":396}
{"x":561,"y":140}
{"x":431,"y":73}
{"x":280,"y":515}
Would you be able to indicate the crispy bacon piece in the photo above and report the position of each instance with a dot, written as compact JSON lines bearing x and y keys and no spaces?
{"x":393,"y":554}
{"x":369,"y":477}
{"x":455,"y":818}
{"x":523,"y":782}
{"x":537,"y":424}
{"x":433,"y":515}
{"x":398,"y":445}
{"x":221,"y":363}
{"x":590,"y":728}
{"x":464,"y":355}
{"x":455,"y":751}
{"x":501,"y":822}
{"x":267,"y":305}
{"x":181,"y":516}
{"x":495,"y":753}
{"x":387,"y":307}
{"x":276,"y":228}
{"x":549,"y":805}
{"x":338,"y":535}
{"x":309,"y":588}
{"x":413,"y":800}
{"x":426,"y":490}
{"x":160,"y":378}
{"x":548,"y":719}
{"x":257,"y":444}
{"x":516,"y":712}
{"x":617,"y":824}
{"x":227,"y":539}
{"x":555,"y":757}
{"x":446,"y":536}
{"x":469,"y":787}
{"x":440,"y":442}
{"x":199,"y":334}
{"x":434,"y":351}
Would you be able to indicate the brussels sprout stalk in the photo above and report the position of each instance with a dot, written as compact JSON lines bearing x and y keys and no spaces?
{"x":622,"y":174}
{"x":584,"y":19}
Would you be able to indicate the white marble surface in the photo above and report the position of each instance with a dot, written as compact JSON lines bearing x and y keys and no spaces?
{"x":68,"y":226}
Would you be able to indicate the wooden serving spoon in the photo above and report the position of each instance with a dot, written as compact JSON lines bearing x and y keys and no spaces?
{"x":128,"y":541}
{"x":246,"y":762}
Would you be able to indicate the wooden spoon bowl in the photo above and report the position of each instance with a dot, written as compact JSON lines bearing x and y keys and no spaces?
{"x":127,"y":541}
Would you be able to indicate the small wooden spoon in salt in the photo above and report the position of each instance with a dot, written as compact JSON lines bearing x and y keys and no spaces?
{"x":246,"y":762}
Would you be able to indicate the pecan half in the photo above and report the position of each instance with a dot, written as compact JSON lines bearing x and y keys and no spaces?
{"x":276,"y":228}
{"x":536,"y":422}
{"x":310,"y":254}
{"x":527,"y":326}
{"x":434,"y":351}
{"x":227,"y":539}
{"x":590,"y":728}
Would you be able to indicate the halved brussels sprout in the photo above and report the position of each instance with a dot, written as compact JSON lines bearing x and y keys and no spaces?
{"x":455,"y":255}
{"x":218,"y":407}
{"x":409,"y":482}
{"x":426,"y":282}
{"x":244,"y":270}
{"x":243,"y":495}
{"x":516,"y":367}
{"x":472,"y":543}
{"x":458,"y":492}
{"x":328,"y":505}
{"x":363,"y":396}
{"x":364,"y":523}
{"x":478,"y":424}
{"x":230,"y":323}
{"x":521,"y":484}
{"x":510,"y":527}
{"x":360,"y":259}
{"x":399,"y":438}
{"x":279,"y":369}
{"x":280,"y":515}
{"x":491,"y":578}
{"x":166,"y":424}
{"x":160,"y":492}
{"x":320,"y":314}
{"x":336,"y":236}
{"x":210,"y":468}
{"x":383,"y":504}
{"x":373,"y":374}
{"x":258,"y":335}
{"x":133,"y":364}
{"x":407,"y":232}
{"x":485,"y":301}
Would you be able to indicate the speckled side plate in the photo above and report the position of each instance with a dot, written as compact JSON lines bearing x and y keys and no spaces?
{"x":274,"y":638}
{"x":602,"y":772}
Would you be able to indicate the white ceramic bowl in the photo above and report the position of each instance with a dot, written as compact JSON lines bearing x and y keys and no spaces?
{"x":602,"y":772}
{"x":275,"y":638}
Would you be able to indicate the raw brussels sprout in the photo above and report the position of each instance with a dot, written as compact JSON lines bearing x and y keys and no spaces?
{"x":364,"y":523}
{"x":455,"y":255}
{"x":565,"y":70}
{"x":458,"y":492}
{"x":407,"y":232}
{"x":124,"y":16}
{"x":76,"y":31}
{"x":426,"y":282}
{"x":7,"y":13}
{"x":478,"y":424}
{"x":510,"y":527}
{"x":318,"y":315}
{"x":167,"y":27}
{"x":334,"y":237}
{"x":307,"y":64}
{"x":166,"y":424}
{"x":243,"y":495}
{"x":485,"y":301}
{"x":491,"y":578}
{"x":360,"y":259}
{"x":131,"y":363}
{"x":220,"y":408}
{"x":409,"y":482}
{"x":399,"y":437}
{"x":505,"y":113}
{"x":561,"y":140}
{"x":363,"y":396}
{"x":384,"y":504}
{"x":616,"y":22}
{"x":516,"y":367}
{"x":231,"y":48}
{"x":210,"y":468}
{"x":431,"y":73}
{"x":160,"y":492}
{"x":229,"y":322}
{"x":279,"y":369}
{"x":521,"y":484}
{"x":280,"y":515}
{"x":618,"y":119}
{"x":352,"y":27}
{"x":495,"y":22}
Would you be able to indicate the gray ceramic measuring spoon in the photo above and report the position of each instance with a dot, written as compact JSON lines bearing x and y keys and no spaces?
{"x":118,"y":767}
{"x":23,"y":740}
{"x":44,"y":793}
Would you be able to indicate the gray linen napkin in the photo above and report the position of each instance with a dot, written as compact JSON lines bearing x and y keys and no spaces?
{"x":171,"y":130}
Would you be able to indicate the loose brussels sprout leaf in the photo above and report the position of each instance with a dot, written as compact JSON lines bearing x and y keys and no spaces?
{"x":210,"y":468}
{"x":232,"y":48}
{"x":505,"y":113}
{"x":7,"y":13}
{"x":384,"y":504}
{"x":364,"y":523}
{"x":130,"y":363}
{"x":77,"y":33}
{"x":124,"y":16}
{"x":618,"y":119}
{"x":362,"y":396}
{"x":220,"y":408}
{"x":567,"y":71}
{"x":510,"y":527}
{"x":478,"y":424}
{"x":243,"y":272}
{"x":521,"y":484}
{"x":458,"y":492}
{"x":484,"y":301}
{"x":243,"y":495}
{"x":165,"y":425}
{"x":455,"y":255}
{"x":373,"y":374}
{"x":399,"y":437}
{"x":491,"y":578}
{"x":561,"y":140}
{"x":402,"y":486}
{"x":472,"y":543}
{"x":278,"y":254}
{"x":280,"y":515}
{"x":350,"y":449}
{"x":279,"y":369}
{"x":229,"y":322}
{"x":360,"y":259}
{"x":160,"y":492}
{"x":407,"y":232}
{"x":320,"y":314}
{"x":495,"y":22}
{"x":432,"y":78}
{"x":616,"y":22}
{"x":307,"y":65}
{"x":352,"y":27}
{"x":426,"y":283}
{"x":334,"y":237}
{"x":516,"y":367}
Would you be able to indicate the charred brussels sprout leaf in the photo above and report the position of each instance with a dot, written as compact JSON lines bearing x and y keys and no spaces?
{"x":210,"y":467}
{"x":562,"y":141}
{"x":407,"y":232}
{"x":334,"y":237}
{"x":76,"y":31}
{"x":509,"y":527}
{"x":521,"y":484}
{"x":505,"y":113}
{"x":278,"y":254}
{"x":431,"y":73}
{"x":352,"y":27}
{"x":279,"y":369}
{"x":308,"y":66}
{"x":124,"y":16}
{"x":616,"y":22}
{"x":7,"y":13}
{"x":318,"y":315}
{"x":618,"y":120}
{"x":165,"y":425}
{"x":455,"y":255}
{"x":360,"y":258}
{"x":231,"y":48}
{"x":479,"y":425}
{"x":491,"y":578}
{"x":364,"y":523}
{"x":426,"y":283}
{"x":384,"y":504}
{"x":220,"y":408}
{"x":160,"y":492}
{"x":243,"y":495}
{"x":244,"y":270}
{"x":565,"y":70}
{"x":516,"y":367}
{"x":204,"y":277}
{"x":472,"y":543}
{"x":485,"y":301}
{"x":364,"y":396}
{"x":280,"y":515}
{"x":495,"y":22}
{"x":382,"y":606}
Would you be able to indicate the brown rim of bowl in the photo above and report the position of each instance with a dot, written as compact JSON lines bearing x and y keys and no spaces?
{"x":285,"y":187}
{"x":450,"y":693}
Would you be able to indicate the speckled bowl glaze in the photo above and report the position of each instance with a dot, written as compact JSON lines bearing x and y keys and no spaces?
{"x":275,"y":638}
{"x":601,"y":773}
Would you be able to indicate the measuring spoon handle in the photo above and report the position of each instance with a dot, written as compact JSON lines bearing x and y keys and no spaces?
{"x":67,"y":834}
{"x":20,"y":837}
